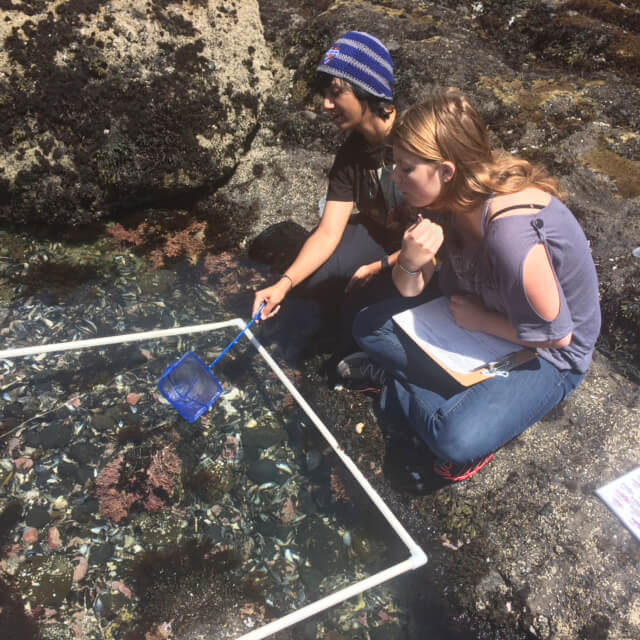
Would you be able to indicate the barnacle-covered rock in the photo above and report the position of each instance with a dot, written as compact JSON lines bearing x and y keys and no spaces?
{"x":129,"y":103}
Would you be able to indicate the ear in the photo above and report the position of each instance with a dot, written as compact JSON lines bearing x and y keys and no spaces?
{"x":448,"y":170}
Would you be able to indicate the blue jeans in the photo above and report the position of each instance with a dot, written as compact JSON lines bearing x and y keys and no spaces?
{"x":324,"y":294}
{"x":459,"y":424}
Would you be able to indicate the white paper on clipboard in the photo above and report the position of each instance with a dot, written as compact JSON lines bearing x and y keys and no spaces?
{"x":622,"y":496}
{"x":432,"y":326}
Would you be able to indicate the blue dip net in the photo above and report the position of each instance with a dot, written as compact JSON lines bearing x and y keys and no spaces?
{"x":190,"y":386}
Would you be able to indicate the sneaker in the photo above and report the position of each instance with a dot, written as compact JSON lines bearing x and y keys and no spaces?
{"x":459,"y":472}
{"x":361,"y":372}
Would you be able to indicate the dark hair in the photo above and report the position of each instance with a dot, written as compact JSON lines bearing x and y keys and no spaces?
{"x":381,"y":107}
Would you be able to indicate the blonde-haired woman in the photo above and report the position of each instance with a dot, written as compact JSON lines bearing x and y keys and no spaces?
{"x":514,"y":263}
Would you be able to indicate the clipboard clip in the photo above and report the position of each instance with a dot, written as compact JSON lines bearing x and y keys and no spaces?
{"x":499,"y":368}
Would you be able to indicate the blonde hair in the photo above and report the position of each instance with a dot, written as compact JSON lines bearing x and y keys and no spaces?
{"x":446,"y":127}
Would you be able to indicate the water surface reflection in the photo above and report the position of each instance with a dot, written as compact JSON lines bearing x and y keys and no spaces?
{"x":121,"y":520}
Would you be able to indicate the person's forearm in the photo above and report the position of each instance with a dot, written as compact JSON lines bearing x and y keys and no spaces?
{"x":500,"y":326}
{"x":314,"y":253}
{"x":411,"y":284}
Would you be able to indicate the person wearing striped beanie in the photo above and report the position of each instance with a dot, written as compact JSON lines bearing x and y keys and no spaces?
{"x":364,"y":61}
{"x":345,"y":263}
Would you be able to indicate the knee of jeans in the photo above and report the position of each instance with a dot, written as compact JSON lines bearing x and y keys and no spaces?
{"x":452,"y":444}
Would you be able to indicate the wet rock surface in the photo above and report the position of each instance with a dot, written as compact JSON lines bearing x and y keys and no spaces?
{"x":103,"y":85}
{"x":126,"y":118}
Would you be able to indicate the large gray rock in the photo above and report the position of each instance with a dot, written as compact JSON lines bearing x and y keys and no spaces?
{"x":111,"y":106}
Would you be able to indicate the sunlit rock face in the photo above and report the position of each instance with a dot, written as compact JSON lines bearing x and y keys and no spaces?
{"x":109,"y":106}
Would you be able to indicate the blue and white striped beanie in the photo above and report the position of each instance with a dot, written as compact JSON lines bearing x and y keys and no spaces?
{"x":363,"y":60}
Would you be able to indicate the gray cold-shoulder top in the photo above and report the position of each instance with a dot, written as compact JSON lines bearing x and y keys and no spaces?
{"x":494,"y":272}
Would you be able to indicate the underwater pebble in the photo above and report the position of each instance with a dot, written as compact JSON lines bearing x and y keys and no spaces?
{"x":134,"y":398}
{"x":359,"y":428}
{"x":13,"y":443}
{"x":30,"y":535}
{"x":263,"y":437}
{"x":123,"y":589}
{"x":54,"y":539}
{"x":101,"y":553}
{"x":215,"y":510}
{"x":313,"y":459}
{"x":24,"y":464}
{"x":56,"y":436}
{"x":83,"y":452}
{"x":109,"y":603}
{"x":38,"y":516}
{"x":60,"y":503}
{"x":10,"y":512}
{"x":83,"y":512}
{"x":103,"y":422}
{"x":67,"y":469}
{"x":263,"y":471}
{"x":80,"y":570}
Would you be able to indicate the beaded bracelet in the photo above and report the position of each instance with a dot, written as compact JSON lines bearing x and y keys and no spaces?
{"x":413,"y":274}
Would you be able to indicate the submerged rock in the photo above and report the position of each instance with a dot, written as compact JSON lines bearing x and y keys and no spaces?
{"x":38,"y":516}
{"x":263,"y":471}
{"x":46,"y":581}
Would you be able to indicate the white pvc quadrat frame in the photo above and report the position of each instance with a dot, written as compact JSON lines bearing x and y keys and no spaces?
{"x":417,"y":557}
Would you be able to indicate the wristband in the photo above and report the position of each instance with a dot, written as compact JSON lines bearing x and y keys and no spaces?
{"x":284,"y":275}
{"x":413,"y":274}
{"x":385,"y":262}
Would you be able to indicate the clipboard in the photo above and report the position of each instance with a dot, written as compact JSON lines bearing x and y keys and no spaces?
{"x":469,"y":357}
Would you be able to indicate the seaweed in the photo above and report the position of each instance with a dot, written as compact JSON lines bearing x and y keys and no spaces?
{"x":15,"y":623}
{"x":190,"y":584}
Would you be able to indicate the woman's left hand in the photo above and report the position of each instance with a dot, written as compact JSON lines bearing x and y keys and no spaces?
{"x":468,"y":312}
{"x":362,"y":275}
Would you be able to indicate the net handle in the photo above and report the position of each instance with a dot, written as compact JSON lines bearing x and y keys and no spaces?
{"x":230,"y":345}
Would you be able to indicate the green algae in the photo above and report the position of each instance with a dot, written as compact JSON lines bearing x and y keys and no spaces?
{"x":458,"y":515}
{"x":542,"y":91}
{"x":606,"y":11}
{"x":417,"y":14}
{"x":623,"y":171}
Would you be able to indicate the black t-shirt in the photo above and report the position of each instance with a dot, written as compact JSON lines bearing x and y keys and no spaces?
{"x":361,"y":173}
